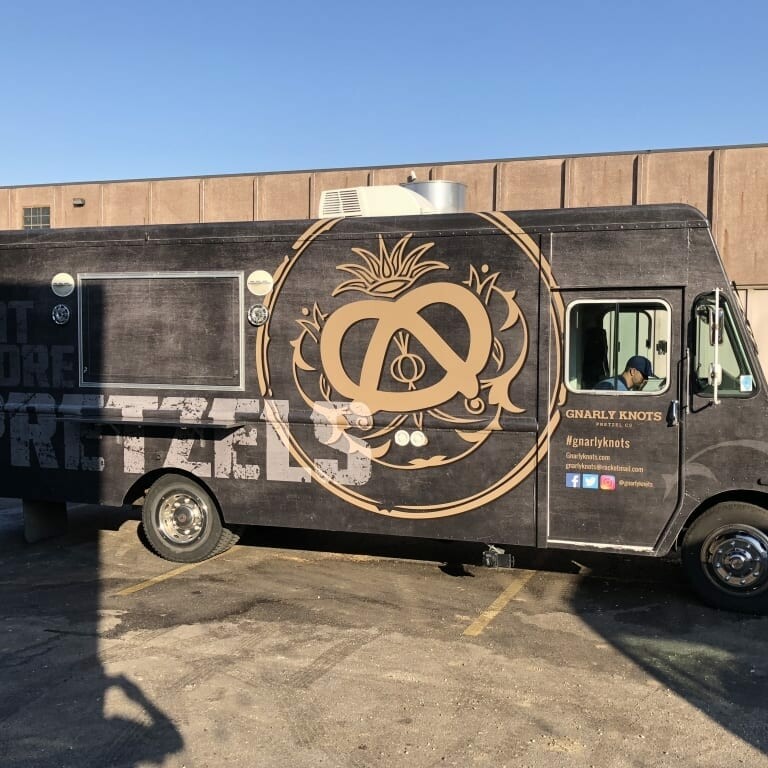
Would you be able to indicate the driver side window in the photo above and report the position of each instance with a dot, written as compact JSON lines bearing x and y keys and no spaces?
{"x":737,"y":375}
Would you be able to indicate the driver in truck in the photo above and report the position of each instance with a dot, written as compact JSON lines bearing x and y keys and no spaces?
{"x":635,"y":376}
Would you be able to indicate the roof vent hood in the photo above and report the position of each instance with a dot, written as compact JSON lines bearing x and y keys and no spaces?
{"x":411,"y":198}
{"x":445,"y":196}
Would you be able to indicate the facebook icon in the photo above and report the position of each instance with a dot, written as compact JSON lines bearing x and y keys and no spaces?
{"x":573,"y":479}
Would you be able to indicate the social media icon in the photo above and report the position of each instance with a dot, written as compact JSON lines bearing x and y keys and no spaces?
{"x":607,"y":483}
{"x":573,"y":479}
{"x":590,"y":481}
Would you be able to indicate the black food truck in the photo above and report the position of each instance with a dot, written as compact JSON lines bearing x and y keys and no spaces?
{"x":580,"y":379}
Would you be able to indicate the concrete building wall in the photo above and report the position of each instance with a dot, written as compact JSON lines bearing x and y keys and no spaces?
{"x":729,"y":184}
{"x":677,"y":177}
{"x":123,"y":203}
{"x":228,"y":198}
{"x":530,"y":184}
{"x":5,"y":209}
{"x":284,"y":196}
{"x":740,"y":212}
{"x":606,"y":180}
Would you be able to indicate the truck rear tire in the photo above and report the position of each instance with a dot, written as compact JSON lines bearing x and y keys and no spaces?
{"x":182,"y":522}
{"x":725,"y":555}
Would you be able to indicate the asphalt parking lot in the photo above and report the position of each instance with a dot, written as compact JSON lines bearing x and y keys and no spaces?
{"x":299,"y":649}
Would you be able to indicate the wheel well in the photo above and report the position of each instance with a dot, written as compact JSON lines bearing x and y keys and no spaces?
{"x":136,"y":493}
{"x":757,"y":498}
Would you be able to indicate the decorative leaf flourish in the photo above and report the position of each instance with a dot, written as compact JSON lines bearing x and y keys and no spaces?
{"x":388,"y":273}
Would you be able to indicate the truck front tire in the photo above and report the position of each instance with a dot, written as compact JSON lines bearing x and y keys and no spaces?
{"x":182,"y":522}
{"x":725,"y":555}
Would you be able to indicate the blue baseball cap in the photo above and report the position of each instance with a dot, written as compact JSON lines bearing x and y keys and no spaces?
{"x":642,"y":364}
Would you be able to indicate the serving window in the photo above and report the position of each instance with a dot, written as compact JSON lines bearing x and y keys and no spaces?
{"x":162,"y":330}
{"x":603,"y":336}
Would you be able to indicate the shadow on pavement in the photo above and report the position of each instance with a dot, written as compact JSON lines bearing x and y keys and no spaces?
{"x":59,"y":706}
{"x":717,"y":661}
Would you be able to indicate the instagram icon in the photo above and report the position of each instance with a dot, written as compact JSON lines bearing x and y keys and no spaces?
{"x":607,"y":483}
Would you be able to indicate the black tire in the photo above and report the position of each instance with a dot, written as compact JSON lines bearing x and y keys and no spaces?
{"x":725,"y":555}
{"x":182,"y":523}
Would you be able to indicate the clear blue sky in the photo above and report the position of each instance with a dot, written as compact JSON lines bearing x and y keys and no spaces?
{"x":118,"y":90}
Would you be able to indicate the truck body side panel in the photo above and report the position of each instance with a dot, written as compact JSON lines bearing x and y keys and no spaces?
{"x":419,"y":376}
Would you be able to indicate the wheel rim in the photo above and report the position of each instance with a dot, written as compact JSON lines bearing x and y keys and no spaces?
{"x":182,"y":517}
{"x":735,"y":558}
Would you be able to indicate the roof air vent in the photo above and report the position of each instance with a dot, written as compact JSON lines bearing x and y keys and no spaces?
{"x":340,"y":202}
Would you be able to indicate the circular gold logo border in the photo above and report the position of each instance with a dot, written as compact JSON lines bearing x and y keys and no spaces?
{"x":511,"y":479}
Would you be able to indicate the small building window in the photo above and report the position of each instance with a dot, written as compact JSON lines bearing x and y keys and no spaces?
{"x":37,"y":218}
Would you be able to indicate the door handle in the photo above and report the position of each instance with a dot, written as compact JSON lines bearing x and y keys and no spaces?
{"x":673,"y":413}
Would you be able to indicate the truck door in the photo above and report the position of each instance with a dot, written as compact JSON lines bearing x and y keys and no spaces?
{"x":614,"y":475}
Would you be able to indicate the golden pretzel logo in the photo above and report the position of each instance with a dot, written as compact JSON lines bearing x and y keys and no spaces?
{"x":461,"y":374}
